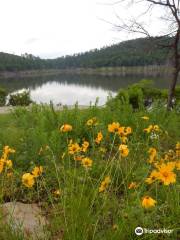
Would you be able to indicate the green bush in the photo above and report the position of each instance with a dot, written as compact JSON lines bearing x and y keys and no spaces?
{"x":177,"y":93}
{"x":20,"y":99}
{"x":3,"y":95}
{"x":133,"y":95}
{"x":142,"y":94}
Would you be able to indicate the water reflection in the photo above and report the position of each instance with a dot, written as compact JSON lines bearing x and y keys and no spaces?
{"x":65,"y":93}
{"x":67,"y":89}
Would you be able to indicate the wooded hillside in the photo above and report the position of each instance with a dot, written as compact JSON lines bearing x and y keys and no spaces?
{"x":138,"y":52}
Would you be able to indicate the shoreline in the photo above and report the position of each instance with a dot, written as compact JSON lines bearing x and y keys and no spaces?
{"x":151,"y":70}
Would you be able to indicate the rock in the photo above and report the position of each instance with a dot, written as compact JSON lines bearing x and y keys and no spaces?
{"x":27,"y":217}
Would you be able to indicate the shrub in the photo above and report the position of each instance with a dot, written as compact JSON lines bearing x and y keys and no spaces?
{"x":132,"y":95}
{"x":142,"y":94}
{"x":135,"y":96}
{"x":3,"y":95}
{"x":177,"y":93}
{"x":20,"y":99}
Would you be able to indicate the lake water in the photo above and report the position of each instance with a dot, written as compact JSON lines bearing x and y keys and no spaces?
{"x":69,"y":89}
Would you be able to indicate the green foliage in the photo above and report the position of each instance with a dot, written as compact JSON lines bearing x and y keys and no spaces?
{"x":3,"y":94}
{"x":10,"y":62}
{"x":138,"y":52}
{"x":8,"y":233}
{"x":177,"y":93}
{"x":142,"y":94}
{"x":20,"y":99}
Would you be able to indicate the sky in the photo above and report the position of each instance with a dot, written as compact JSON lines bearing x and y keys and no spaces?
{"x":53,"y":28}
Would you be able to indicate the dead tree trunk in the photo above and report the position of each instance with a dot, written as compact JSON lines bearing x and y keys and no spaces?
{"x":176,"y":69}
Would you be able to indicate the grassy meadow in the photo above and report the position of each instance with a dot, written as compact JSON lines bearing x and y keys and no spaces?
{"x":98,"y":173}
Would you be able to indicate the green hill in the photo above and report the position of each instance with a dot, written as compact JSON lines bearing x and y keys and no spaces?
{"x":11,"y":62}
{"x":138,"y":52}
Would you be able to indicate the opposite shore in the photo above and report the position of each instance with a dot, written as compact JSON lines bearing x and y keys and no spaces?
{"x":153,"y":70}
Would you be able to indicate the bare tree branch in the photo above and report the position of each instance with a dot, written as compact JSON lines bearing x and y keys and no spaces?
{"x":134,"y":25}
{"x":162,"y":3}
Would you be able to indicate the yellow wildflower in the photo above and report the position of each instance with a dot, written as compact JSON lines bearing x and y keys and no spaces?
{"x":66,"y":128}
{"x":148,"y":129}
{"x":152,"y":128}
{"x":121,"y":131}
{"x":104,"y":184}
{"x":132,"y":185}
{"x":78,"y":158}
{"x":153,"y":153}
{"x":124,"y":151}
{"x":151,"y":158}
{"x":4,"y":161}
{"x":87,"y":162}
{"x":178,"y":165}
{"x":1,"y":165}
{"x":9,"y":163}
{"x":107,"y":179}
{"x":8,"y":150}
{"x":171,"y":165}
{"x":156,"y":128}
{"x":92,"y":122}
{"x":73,"y":148}
{"x":178,"y":145}
{"x":99,"y":138}
{"x":166,"y":174}
{"x":89,"y":122}
{"x":153,"y":177}
{"x":148,"y":202}
{"x":114,"y":127}
{"x":127,"y":131}
{"x":57,"y":192}
{"x":28,"y":180}
{"x":85,"y":146}
{"x":178,"y":153}
{"x":37,"y":171}
{"x":124,"y":139}
{"x":178,"y":149}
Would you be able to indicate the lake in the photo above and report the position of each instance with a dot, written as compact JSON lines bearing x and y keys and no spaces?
{"x":69,"y":89}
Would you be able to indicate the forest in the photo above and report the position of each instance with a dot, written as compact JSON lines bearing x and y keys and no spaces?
{"x":138,"y":52}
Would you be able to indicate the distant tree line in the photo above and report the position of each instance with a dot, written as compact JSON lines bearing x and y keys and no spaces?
{"x":10,"y":62}
{"x":138,"y":52}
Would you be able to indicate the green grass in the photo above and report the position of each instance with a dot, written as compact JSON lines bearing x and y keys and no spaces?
{"x":81,"y":212}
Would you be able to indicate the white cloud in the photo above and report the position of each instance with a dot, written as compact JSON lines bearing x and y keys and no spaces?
{"x":50,"y":28}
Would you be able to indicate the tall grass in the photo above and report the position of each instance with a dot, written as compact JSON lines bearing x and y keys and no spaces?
{"x":69,"y":192}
